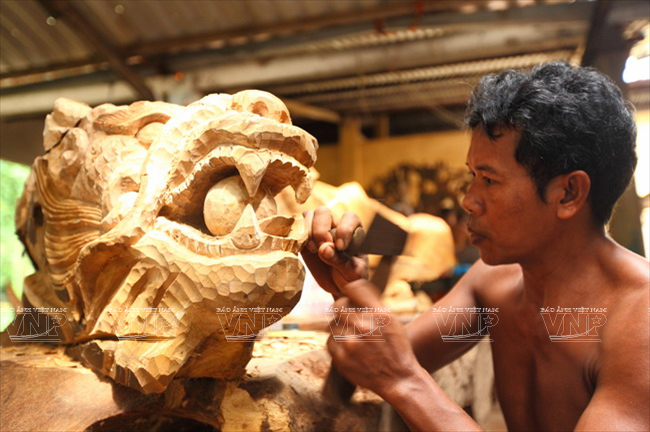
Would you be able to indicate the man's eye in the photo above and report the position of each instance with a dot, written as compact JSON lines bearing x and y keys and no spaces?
{"x":488,"y":180}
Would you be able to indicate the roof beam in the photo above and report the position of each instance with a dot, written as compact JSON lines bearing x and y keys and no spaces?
{"x":66,"y":11}
{"x":253,"y":74}
{"x":52,"y":67}
{"x":385,"y":10}
{"x":445,"y":19}
{"x":303,"y":110}
{"x":594,"y":39}
{"x":426,"y":73}
{"x":460,"y":47}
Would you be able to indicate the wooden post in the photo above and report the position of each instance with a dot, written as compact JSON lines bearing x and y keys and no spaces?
{"x":351,"y":150}
{"x":609,"y":52}
{"x":382,"y":127}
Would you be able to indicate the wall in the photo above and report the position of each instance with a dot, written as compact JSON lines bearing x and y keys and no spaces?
{"x":21,"y":140}
{"x":642,"y":175}
{"x":379,"y":156}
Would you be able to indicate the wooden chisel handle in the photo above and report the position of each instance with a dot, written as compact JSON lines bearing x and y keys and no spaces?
{"x":337,"y":388}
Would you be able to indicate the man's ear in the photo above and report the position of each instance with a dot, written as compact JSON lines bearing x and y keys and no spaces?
{"x":569,"y":192}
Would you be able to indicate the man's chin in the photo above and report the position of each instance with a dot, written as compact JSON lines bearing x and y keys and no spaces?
{"x":493,"y":259}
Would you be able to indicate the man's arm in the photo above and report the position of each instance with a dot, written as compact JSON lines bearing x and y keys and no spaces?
{"x":424,"y":406}
{"x":447,"y":317}
{"x":621,"y":401}
{"x":390,"y":368}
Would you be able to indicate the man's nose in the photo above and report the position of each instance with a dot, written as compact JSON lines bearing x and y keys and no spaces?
{"x":472,"y":203}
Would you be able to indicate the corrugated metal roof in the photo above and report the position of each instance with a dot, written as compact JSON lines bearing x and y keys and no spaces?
{"x":33,"y":37}
{"x":28,"y":41}
{"x":352,"y":57}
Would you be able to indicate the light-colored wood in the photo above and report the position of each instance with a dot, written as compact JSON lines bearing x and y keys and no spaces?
{"x":151,"y":223}
{"x":279,"y":393}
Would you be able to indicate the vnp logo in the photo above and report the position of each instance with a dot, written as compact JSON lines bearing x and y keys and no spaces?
{"x":37,"y":327}
{"x":465,"y":324}
{"x":246,"y":324}
{"x":150,"y":326}
{"x":574,"y":324}
{"x":358,"y":324}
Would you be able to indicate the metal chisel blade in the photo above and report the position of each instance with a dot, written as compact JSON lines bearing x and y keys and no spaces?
{"x":383,"y":238}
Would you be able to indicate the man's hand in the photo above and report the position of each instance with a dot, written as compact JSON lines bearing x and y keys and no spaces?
{"x":381,"y":366}
{"x":390,"y":368}
{"x":325,"y":255}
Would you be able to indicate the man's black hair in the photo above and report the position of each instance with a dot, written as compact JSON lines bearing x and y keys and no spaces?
{"x":569,"y":118}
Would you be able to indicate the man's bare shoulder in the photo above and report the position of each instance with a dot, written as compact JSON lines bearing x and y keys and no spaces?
{"x":489,"y":281}
{"x":629,"y":290}
{"x":626,"y":335}
{"x":622,"y":365}
{"x":628,"y":317}
{"x":626,"y":268}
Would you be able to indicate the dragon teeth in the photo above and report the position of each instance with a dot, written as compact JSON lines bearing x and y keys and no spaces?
{"x":302,"y":189}
{"x":251,"y":168}
{"x":247,"y":233}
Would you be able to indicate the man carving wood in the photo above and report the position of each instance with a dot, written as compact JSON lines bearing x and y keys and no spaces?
{"x":551,"y":152}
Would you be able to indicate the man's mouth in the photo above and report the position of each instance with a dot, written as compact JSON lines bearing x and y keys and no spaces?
{"x":475,"y":237}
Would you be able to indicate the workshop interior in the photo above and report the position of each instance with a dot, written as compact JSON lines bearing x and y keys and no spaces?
{"x":156,"y":160}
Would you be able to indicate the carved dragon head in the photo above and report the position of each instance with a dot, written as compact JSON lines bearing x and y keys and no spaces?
{"x":145,"y":220}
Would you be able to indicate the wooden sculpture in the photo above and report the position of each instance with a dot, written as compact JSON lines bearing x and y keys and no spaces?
{"x":154,"y":230}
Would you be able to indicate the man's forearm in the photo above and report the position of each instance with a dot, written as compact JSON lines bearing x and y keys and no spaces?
{"x":423,"y":405}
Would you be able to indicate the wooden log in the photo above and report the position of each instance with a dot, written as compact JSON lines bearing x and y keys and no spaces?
{"x":44,"y":389}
